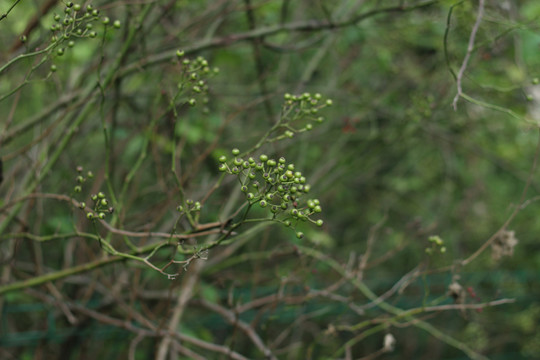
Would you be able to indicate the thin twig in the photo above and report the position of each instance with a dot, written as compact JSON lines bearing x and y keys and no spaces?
{"x":470,"y":49}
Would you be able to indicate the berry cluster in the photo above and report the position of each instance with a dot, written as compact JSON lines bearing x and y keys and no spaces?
{"x":304,"y":107}
{"x":276,"y":185}
{"x":101,"y":205}
{"x":437,"y":244}
{"x":76,"y":22}
{"x":194,"y":76}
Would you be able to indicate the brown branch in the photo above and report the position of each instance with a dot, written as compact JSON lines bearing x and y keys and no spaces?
{"x":470,"y":49}
{"x":299,"y":26}
{"x":247,"y":329}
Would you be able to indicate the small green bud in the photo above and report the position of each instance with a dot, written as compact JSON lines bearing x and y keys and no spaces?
{"x":77,"y":189}
{"x":89,"y":215}
{"x":235,"y":152}
{"x":192,"y":102}
{"x":329,"y":102}
{"x":101,"y":215}
{"x":76,"y":7}
{"x":535,"y":81}
{"x":117,"y":24}
{"x":82,"y":205}
{"x":94,"y":197}
{"x":180,"y":53}
{"x":101,"y":195}
{"x":60,"y":52}
{"x":104,"y":202}
{"x":53,"y":68}
{"x":299,"y":234}
{"x":263,"y":158}
{"x":320,"y":222}
{"x":263,"y":203}
{"x":222,"y":167}
{"x":106,"y":20}
{"x":92,"y":34}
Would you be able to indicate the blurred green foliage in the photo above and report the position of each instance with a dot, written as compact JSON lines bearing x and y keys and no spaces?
{"x":393,"y":161}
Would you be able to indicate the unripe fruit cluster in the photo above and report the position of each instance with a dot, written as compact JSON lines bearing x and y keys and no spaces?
{"x":306,"y":107}
{"x":76,"y":22}
{"x":194,"y":76}
{"x":273,"y":184}
{"x":101,"y":205}
{"x":191,"y":206}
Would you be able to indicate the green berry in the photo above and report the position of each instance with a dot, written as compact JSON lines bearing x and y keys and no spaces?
{"x":60,"y":52}
{"x":263,"y":203}
{"x":329,"y":102}
{"x":235,"y":152}
{"x":76,"y":7}
{"x":82,"y":205}
{"x":317,"y":209}
{"x":180,"y":53}
{"x":299,"y":234}
{"x":250,"y":196}
{"x":106,"y":20}
{"x":192,"y":102}
{"x":77,"y":189}
{"x":92,"y":34}
{"x":53,"y":68}
{"x":101,"y":195}
{"x":222,"y":167}
{"x":104,"y":202}
{"x":222,"y":159}
{"x":117,"y":24}
{"x":263,"y":158}
{"x":320,"y":222}
{"x":89,"y":215}
{"x":101,"y":215}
